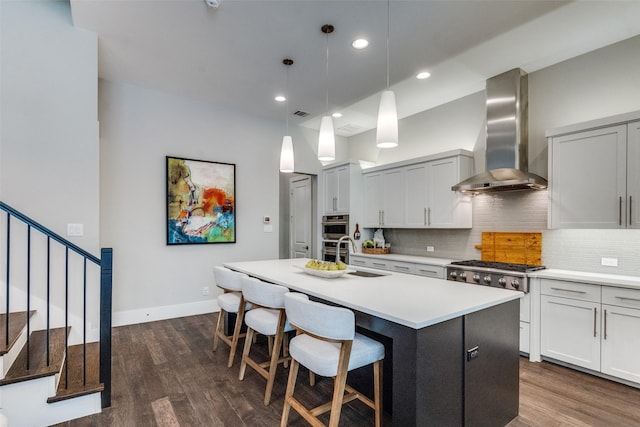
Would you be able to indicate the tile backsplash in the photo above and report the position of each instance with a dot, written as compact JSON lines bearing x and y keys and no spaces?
{"x":525,"y":211}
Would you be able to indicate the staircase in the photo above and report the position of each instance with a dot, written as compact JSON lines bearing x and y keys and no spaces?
{"x":55,"y":325}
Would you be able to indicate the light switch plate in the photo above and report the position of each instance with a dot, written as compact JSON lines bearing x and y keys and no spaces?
{"x":75,"y":230}
{"x":609,"y":262}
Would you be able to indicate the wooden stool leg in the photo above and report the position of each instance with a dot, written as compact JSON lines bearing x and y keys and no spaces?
{"x":245,"y":352}
{"x":377,"y":391}
{"x":236,"y":332}
{"x":339,"y":383}
{"x":312,"y":378}
{"x":285,"y":349}
{"x":275,"y":355}
{"x":291,"y":385}
{"x":219,"y":327}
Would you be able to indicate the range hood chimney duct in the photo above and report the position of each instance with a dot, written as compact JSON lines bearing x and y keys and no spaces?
{"x":507,"y":138}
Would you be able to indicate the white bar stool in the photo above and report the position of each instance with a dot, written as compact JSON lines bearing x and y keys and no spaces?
{"x":231,"y":301}
{"x":267,"y":317}
{"x":327,"y":344}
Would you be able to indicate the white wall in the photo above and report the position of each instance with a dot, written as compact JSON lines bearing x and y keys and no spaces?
{"x":138,"y":128}
{"x":49,"y":132}
{"x":49,"y":164}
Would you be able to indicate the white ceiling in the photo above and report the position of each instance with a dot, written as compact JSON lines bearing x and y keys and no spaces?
{"x":232,"y":55}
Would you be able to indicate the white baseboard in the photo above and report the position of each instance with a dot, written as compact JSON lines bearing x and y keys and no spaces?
{"x":151,"y":314}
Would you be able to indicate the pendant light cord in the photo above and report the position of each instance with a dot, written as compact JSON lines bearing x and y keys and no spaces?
{"x":287,"y":106}
{"x":388,"y":9}
{"x":327,"y":75}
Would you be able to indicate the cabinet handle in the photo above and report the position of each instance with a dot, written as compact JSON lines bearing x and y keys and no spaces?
{"x":569,"y":290}
{"x":335,"y":204}
{"x":427,"y":271}
{"x":429,"y":216}
{"x":382,"y":223}
{"x":605,"y":324}
{"x":401,"y":267}
{"x":425,"y":216}
{"x":630,"y":205}
{"x":377,"y":264}
{"x":628,"y":299}
{"x":595,"y":316}
{"x":620,"y":211}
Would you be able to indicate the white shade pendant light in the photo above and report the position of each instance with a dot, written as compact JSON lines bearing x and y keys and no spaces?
{"x":326,"y":139}
{"x":387,"y":131}
{"x":286,"y":152}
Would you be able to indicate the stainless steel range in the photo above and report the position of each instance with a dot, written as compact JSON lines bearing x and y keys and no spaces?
{"x":488,"y":273}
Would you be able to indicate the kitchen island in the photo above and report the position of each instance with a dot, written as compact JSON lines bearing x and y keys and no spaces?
{"x":451,"y":348}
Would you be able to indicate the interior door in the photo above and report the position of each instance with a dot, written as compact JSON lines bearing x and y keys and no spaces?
{"x":301,"y":217}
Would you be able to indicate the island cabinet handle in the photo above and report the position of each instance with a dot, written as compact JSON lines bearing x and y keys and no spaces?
{"x":569,"y":290}
{"x":595,"y":317}
{"x":605,"y":324}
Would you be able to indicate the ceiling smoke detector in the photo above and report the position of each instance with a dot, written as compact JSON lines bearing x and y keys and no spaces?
{"x":212,"y":3}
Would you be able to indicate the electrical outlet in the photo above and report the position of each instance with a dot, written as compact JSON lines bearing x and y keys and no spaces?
{"x":205,"y":290}
{"x":609,"y":262}
{"x":431,"y":249}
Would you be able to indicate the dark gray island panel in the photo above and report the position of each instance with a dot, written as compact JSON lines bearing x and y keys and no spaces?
{"x":429,"y":379}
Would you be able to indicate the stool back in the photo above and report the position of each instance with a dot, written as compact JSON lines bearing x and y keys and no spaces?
{"x":262,"y":293}
{"x":228,"y":279}
{"x":336,"y":323}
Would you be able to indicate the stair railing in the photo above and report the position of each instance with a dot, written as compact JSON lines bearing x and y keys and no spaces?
{"x":105,"y":262}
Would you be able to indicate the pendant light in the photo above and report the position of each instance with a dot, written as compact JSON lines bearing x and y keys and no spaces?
{"x":387,"y":131}
{"x":326,"y":139}
{"x":286,"y":152}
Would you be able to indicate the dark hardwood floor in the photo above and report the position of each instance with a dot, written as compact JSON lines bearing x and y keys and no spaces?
{"x":165,"y":374}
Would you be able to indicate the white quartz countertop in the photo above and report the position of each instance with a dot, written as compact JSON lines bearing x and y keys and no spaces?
{"x":412,"y":301}
{"x":584,"y":277}
{"x":408,"y":258}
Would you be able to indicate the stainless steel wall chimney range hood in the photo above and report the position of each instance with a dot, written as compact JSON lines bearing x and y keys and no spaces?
{"x":507,"y":135}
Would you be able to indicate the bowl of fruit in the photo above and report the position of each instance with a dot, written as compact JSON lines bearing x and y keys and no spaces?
{"x":325,"y":269}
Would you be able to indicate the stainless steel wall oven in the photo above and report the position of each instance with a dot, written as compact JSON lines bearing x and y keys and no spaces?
{"x":334,"y":227}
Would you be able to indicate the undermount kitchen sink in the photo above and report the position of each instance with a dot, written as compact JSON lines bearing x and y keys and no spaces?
{"x":365,"y":273}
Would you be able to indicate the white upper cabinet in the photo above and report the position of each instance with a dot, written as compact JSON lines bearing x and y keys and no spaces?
{"x":336,"y":190}
{"x":594,"y":176}
{"x":417,"y":194}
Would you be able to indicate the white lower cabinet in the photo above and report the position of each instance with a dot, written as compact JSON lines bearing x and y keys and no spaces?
{"x":621,"y":333}
{"x":591,"y":326}
{"x":570,"y":331}
{"x":419,"y":269}
{"x":525,"y":320}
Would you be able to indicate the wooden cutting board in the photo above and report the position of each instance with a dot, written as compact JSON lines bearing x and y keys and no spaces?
{"x":519,"y":248}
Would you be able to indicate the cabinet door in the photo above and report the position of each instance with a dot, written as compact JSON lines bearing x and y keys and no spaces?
{"x":373,"y":200}
{"x":330,"y":190}
{"x":570,"y":331}
{"x":620,"y":342}
{"x":342,"y":192}
{"x":392,"y":185}
{"x":588,"y":179}
{"x":415,"y":196}
{"x":633,"y":174}
{"x":442,"y":202}
{"x":336,"y":190}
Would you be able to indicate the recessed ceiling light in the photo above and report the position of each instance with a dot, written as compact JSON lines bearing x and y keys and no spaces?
{"x":423,"y":75}
{"x":360,"y":43}
{"x":337,"y":115}
{"x":280,"y":98}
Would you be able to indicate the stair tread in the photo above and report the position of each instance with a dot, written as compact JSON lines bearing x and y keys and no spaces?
{"x":74,"y":364}
{"x":17,"y":322}
{"x":38,"y":357}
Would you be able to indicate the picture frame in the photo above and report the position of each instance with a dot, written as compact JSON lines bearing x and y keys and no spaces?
{"x":201,"y":201}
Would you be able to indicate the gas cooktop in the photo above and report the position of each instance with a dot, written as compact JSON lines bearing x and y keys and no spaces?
{"x":505,"y":266}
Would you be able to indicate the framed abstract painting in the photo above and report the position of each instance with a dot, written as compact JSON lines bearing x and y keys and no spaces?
{"x":201,"y":201}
